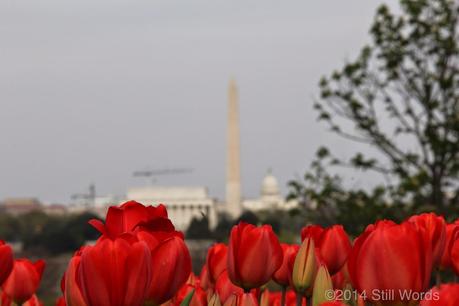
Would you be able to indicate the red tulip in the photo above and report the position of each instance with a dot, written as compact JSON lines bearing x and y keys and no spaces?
{"x":445,"y":295}
{"x":254,"y":254}
{"x":225,"y":288}
{"x":333,"y":244}
{"x":171,"y":264}
{"x":290,"y":299}
{"x":312,"y":231}
{"x":126,"y":217}
{"x":33,"y":301}
{"x":72,"y":292}
{"x":6,"y":261}
{"x":247,"y":299}
{"x":452,"y":234}
{"x":394,"y":257}
{"x":454,"y":255}
{"x":204,"y":278}
{"x":24,"y":279}
{"x":115,"y":272}
{"x":199,"y":297}
{"x":283,"y":274}
{"x":435,"y":226}
{"x":232,"y":300}
{"x":60,"y":302}
{"x":339,"y":280}
{"x":216,"y":261}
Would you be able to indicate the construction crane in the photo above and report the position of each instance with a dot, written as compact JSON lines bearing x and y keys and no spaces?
{"x":152,"y":174}
{"x":89,"y":198}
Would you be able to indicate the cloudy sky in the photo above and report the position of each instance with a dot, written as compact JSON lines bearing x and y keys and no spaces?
{"x":91,"y":90}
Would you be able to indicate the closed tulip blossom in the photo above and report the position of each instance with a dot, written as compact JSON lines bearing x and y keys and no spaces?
{"x":304,"y":267}
{"x":454,"y":256}
{"x":72,"y":292}
{"x":171,"y":267}
{"x":216,"y":260}
{"x":444,"y":295}
{"x":169,"y":262}
{"x":333,"y":244}
{"x":323,"y":285}
{"x":124,"y":218}
{"x":283,"y":275}
{"x":452,"y":234}
{"x":290,"y":299}
{"x":60,"y":302}
{"x":6,"y":261}
{"x":204,"y":279}
{"x":115,"y":272}
{"x":225,"y":288}
{"x":24,"y":279}
{"x":254,"y":255}
{"x":392,"y":257}
{"x":435,"y":227}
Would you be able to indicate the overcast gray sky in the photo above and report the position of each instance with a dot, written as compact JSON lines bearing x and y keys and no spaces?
{"x":91,"y":90}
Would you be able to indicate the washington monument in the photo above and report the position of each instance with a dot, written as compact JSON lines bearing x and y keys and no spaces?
{"x":233,"y":164}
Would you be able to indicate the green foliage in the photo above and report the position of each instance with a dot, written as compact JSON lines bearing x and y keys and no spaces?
{"x":399,"y":96}
{"x":248,"y":217}
{"x":187,"y":300}
{"x":45,"y":234}
{"x":325,"y":201}
{"x":199,"y":229}
{"x":223,"y":228}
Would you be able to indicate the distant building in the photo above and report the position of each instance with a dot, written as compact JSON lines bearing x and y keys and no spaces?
{"x":270,"y":197}
{"x":55,"y":209}
{"x":183,"y":203}
{"x":19,"y":206}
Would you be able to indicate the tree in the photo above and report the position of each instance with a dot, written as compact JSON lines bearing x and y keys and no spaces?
{"x":401,"y":97}
{"x":199,"y":228}
{"x":326,"y":201}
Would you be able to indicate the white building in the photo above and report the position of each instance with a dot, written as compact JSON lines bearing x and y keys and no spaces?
{"x":182,"y":203}
{"x":185,"y":202}
{"x":270,"y":197}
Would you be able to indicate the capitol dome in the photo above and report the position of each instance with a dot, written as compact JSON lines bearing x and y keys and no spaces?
{"x":270,"y":186}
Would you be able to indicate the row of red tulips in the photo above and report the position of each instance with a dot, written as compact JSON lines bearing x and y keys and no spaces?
{"x":140,"y":259}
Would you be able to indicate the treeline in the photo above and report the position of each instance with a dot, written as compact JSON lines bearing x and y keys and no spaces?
{"x":45,"y":234}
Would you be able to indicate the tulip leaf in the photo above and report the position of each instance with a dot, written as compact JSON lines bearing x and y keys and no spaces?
{"x":187,"y":300}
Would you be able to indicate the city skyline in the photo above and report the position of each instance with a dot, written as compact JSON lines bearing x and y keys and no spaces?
{"x":119,"y":88}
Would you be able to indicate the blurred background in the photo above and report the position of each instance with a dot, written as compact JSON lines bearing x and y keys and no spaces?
{"x":268,"y":112}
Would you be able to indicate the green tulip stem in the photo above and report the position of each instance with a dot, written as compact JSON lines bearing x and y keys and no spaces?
{"x":438,"y":277}
{"x":299,"y":299}
{"x":284,"y":291}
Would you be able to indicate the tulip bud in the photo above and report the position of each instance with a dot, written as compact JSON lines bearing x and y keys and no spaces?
{"x":323,"y":287}
{"x":214,"y":300}
{"x":72,"y":292}
{"x":305,"y":266}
